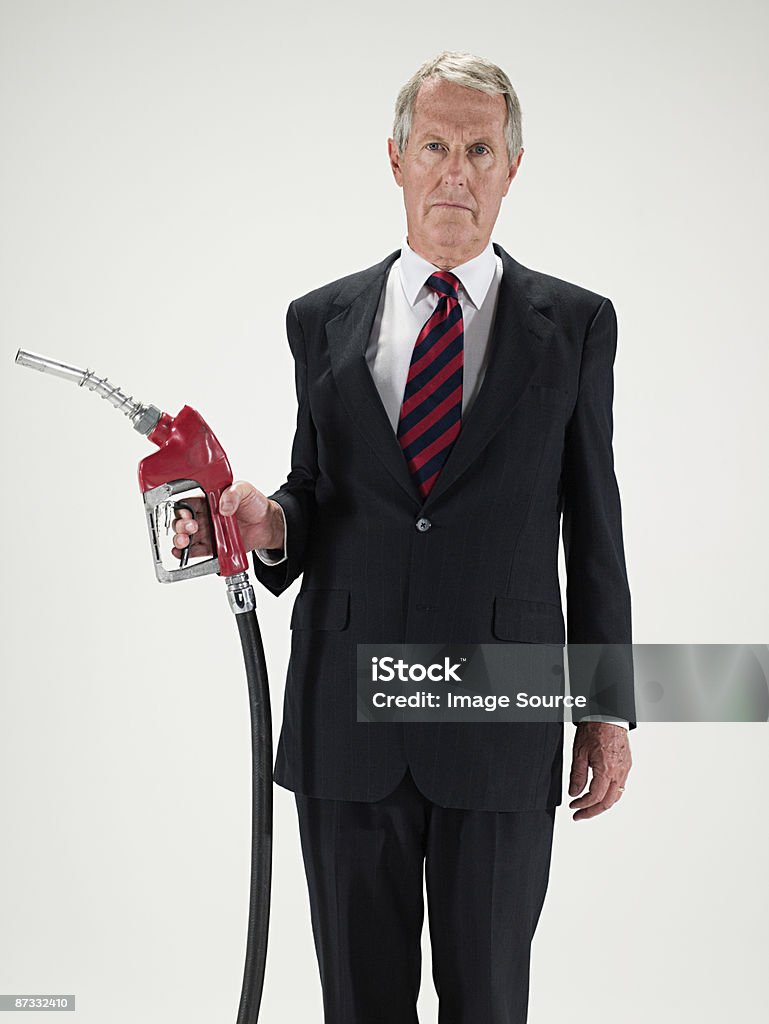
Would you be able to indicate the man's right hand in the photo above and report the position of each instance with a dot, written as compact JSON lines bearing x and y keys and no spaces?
{"x":259,"y":518}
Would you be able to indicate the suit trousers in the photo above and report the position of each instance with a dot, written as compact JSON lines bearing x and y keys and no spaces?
{"x":485,"y":874}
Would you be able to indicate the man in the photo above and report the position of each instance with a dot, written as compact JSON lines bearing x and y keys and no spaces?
{"x":452,"y":404}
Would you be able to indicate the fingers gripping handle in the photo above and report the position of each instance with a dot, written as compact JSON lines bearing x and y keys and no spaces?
{"x":178,"y":505}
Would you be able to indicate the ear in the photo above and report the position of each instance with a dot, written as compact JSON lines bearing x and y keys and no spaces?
{"x":512,"y":171}
{"x":395,"y":161}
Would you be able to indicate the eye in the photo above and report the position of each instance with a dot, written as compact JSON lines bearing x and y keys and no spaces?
{"x":429,"y":144}
{"x":480,"y":149}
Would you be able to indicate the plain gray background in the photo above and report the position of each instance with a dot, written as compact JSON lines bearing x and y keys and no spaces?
{"x":174,"y":173}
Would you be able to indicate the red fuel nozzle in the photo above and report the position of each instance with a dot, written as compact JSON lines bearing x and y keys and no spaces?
{"x":189,"y":452}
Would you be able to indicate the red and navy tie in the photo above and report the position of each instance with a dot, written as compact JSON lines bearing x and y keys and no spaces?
{"x":432,"y":400}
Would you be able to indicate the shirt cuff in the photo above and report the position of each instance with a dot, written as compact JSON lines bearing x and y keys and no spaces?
{"x":274,"y":556}
{"x":605,"y":718}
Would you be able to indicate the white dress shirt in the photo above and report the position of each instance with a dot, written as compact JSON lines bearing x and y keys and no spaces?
{"x":406,"y":304}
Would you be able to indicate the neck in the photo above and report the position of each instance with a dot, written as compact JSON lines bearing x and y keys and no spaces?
{"x":446,"y":256}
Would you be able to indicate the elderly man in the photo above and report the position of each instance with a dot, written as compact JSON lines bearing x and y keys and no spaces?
{"x":452,"y":406}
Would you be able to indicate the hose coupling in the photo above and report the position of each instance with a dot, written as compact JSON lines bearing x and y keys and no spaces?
{"x":240,"y":593}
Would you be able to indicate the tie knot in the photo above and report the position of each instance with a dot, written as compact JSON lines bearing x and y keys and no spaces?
{"x":444,"y":283}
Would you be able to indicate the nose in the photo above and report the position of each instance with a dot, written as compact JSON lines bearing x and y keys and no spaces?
{"x":455,"y":169}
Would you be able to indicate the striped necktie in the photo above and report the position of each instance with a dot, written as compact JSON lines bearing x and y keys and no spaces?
{"x":432,"y":400}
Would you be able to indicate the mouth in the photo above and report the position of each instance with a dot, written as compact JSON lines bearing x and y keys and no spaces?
{"x":453,"y":206}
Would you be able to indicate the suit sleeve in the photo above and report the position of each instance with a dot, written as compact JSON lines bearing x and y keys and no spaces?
{"x":296,"y":496}
{"x":598,"y":609}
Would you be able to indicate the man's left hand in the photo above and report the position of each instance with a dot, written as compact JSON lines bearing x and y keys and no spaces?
{"x":605,"y":748}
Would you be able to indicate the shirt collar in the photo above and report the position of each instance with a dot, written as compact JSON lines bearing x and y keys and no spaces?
{"x":475,"y":276}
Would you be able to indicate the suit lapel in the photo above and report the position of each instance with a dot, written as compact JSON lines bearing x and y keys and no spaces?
{"x":519,"y":339}
{"x":348,"y":334}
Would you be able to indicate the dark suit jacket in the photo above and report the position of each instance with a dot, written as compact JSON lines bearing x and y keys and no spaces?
{"x":537,"y":442}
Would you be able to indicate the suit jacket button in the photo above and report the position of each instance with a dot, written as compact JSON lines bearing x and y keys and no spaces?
{"x":423,"y":524}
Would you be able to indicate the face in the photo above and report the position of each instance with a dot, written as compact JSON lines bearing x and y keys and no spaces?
{"x":454,"y":171}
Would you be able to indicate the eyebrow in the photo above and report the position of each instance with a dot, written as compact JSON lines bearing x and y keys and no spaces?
{"x":438,"y":137}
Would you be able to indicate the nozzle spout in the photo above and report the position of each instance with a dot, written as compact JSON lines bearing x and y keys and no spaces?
{"x":36,"y":362}
{"x":144,"y":417}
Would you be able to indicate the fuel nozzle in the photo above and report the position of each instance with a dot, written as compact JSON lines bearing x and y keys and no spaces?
{"x":143,"y":417}
{"x":189,"y":457}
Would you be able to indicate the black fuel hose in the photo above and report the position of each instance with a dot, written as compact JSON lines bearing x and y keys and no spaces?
{"x":261,"y":817}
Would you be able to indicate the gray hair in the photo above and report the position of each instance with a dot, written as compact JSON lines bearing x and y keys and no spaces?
{"x":463,"y":69}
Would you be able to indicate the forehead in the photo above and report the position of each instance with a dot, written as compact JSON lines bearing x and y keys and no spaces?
{"x":446,"y":106}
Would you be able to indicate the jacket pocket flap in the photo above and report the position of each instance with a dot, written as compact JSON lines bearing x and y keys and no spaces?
{"x":534,"y":622}
{"x":321,"y":609}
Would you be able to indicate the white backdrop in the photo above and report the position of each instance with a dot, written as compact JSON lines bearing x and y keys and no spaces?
{"x":173,"y":174}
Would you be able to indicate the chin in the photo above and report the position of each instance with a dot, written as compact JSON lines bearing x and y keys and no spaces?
{"x":451,"y":238}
